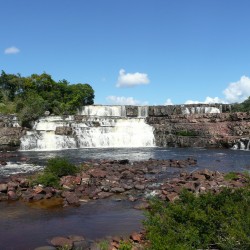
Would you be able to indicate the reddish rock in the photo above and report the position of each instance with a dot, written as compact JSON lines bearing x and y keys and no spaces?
{"x":189,"y":186}
{"x":140,"y":187}
{"x":76,"y":238}
{"x":197,"y":176}
{"x":142,"y":205}
{"x":117,"y":190}
{"x":71,"y":198}
{"x":62,"y":242}
{"x":103,"y":195}
{"x":38,"y":197}
{"x":3,"y":188}
{"x":38,"y":190}
{"x":12,"y":185}
{"x":172,"y":197}
{"x":136,"y":237}
{"x":97,"y":173}
{"x":3,"y":163}
{"x":12,"y":195}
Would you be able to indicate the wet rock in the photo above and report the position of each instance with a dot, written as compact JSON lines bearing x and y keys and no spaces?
{"x":38,"y":197}
{"x":136,"y":237}
{"x":12,"y":185}
{"x":97,"y":173}
{"x":117,"y":190}
{"x":76,"y":238}
{"x":139,"y":187}
{"x":3,"y":163}
{"x":39,"y":190}
{"x":71,"y":198}
{"x":61,"y":242}
{"x":142,"y":205}
{"x":12,"y":195}
{"x":123,"y":162}
{"x":103,"y":195}
{"x":3,"y":197}
{"x":172,"y":197}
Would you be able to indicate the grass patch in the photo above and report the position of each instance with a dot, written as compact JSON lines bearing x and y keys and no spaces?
{"x":220,"y":221}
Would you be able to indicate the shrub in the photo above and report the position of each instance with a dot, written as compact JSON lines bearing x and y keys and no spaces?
{"x":47,"y":180}
{"x":60,"y":167}
{"x":219,"y":221}
{"x":125,"y":245}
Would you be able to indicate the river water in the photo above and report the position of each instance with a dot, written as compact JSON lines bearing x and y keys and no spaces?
{"x":26,"y":226}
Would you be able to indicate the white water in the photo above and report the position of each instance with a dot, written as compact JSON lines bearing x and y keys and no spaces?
{"x":200,"y":110}
{"x":100,"y":126}
{"x":242,"y":144}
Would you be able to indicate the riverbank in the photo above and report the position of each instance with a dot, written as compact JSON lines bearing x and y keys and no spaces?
{"x":120,"y":180}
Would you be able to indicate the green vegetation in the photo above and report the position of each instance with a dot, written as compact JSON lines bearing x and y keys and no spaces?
{"x":185,"y":133}
{"x":56,"y":168}
{"x":29,"y":97}
{"x":103,"y":245}
{"x":231,"y":176}
{"x":218,"y":221}
{"x":60,"y":167}
{"x":125,"y":245}
{"x":242,"y":107}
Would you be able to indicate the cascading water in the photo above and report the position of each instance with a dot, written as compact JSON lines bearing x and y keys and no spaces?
{"x":242,"y":144}
{"x":94,"y":126}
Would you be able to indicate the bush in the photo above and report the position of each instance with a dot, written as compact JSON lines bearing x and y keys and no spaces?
{"x":60,"y":167}
{"x":47,"y":180}
{"x":219,"y":221}
{"x":56,"y":168}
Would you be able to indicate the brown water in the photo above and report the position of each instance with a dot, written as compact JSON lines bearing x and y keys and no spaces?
{"x":24,"y":226}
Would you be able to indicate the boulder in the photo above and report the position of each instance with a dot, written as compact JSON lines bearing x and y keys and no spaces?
{"x":62,"y":242}
{"x":3,"y":188}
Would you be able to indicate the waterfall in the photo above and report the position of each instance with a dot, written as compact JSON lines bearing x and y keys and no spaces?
{"x":242,"y":144}
{"x":188,"y":109}
{"x":94,"y":126}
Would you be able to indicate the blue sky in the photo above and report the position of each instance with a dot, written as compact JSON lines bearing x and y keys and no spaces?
{"x":134,"y":51}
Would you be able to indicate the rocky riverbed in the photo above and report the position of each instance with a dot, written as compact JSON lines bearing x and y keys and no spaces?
{"x":118,"y":179}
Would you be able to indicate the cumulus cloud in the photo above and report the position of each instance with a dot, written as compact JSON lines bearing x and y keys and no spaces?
{"x":168,"y":102}
{"x":131,"y":79}
{"x":208,"y":100}
{"x":238,"y":91}
{"x":11,"y":50}
{"x":121,"y":100}
{"x":235,"y":92}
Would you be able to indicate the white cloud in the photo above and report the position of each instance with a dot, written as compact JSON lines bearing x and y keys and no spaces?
{"x":131,"y":79}
{"x":11,"y":50}
{"x":207,"y":100}
{"x":121,"y":100}
{"x":238,"y":91}
{"x":168,"y":102}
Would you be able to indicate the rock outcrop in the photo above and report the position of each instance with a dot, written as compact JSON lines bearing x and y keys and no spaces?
{"x":10,"y":133}
{"x":200,"y":130}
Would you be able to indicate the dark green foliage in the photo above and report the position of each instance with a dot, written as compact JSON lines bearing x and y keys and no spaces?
{"x":31,"y":96}
{"x":60,"y":167}
{"x":46,"y":179}
{"x":185,"y":133}
{"x":56,"y":168}
{"x":220,"y":221}
{"x":231,"y":176}
{"x":242,"y":107}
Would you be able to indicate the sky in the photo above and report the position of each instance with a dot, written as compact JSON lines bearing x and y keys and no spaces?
{"x":135,"y":52}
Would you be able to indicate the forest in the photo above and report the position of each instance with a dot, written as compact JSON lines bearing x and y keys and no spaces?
{"x":29,"y":97}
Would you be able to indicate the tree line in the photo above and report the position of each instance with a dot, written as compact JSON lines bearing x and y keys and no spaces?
{"x":29,"y":97}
